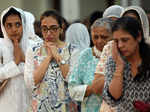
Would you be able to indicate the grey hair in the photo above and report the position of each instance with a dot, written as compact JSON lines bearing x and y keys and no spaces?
{"x":103,"y":22}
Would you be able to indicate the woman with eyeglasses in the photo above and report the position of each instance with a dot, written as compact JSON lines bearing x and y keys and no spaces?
{"x":46,"y":68}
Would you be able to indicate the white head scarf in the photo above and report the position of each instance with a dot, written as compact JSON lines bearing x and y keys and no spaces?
{"x":143,"y":19}
{"x":30,"y":23}
{"x":24,"y":39}
{"x":33,"y":39}
{"x":77,"y":34}
{"x":113,"y":11}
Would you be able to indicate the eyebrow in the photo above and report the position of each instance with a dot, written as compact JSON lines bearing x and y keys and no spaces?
{"x":50,"y":26}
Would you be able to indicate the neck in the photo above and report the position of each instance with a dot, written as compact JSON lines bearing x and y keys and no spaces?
{"x":96,"y":52}
{"x":59,"y":43}
{"x":135,"y":58}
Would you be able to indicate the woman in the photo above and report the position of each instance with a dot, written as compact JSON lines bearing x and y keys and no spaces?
{"x":78,"y":36}
{"x":47,"y":65}
{"x":82,"y":85}
{"x":14,"y":97}
{"x":132,"y":11}
{"x":128,"y":70}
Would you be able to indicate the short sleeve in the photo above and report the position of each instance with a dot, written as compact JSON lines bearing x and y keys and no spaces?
{"x":107,"y":51}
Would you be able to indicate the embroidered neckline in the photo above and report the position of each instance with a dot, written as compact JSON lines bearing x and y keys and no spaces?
{"x":97,"y":52}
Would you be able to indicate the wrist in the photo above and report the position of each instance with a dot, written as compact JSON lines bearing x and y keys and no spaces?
{"x":49,"y":58}
{"x":89,"y":90}
{"x":58,"y":58}
{"x":118,"y":74}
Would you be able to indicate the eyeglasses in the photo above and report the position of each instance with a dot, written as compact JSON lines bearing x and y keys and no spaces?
{"x":52,"y":29}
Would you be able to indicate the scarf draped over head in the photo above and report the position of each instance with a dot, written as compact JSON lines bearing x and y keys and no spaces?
{"x":24,"y":39}
{"x":143,"y":19}
{"x":113,"y":11}
{"x":30,"y":19}
{"x":77,"y":34}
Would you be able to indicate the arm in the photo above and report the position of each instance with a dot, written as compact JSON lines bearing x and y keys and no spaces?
{"x":40,"y":71}
{"x":9,"y":69}
{"x":33,"y":76}
{"x":55,"y":55}
{"x":77,"y":89}
{"x":116,"y":85}
{"x":63,"y":67}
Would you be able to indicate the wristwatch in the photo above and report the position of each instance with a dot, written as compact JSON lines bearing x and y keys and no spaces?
{"x":62,"y":62}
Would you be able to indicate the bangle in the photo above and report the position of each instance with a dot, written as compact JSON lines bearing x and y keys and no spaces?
{"x":117,"y":76}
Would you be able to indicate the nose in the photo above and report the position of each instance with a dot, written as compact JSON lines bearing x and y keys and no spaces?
{"x":100,"y":40}
{"x":120,"y":44}
{"x":49,"y":32}
{"x":14,"y":29}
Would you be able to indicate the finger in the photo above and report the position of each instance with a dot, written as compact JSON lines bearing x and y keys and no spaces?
{"x":16,"y":42}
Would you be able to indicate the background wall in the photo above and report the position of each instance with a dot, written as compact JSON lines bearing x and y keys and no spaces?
{"x":70,"y":9}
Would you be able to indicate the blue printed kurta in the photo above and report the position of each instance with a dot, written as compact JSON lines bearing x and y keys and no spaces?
{"x":82,"y":76}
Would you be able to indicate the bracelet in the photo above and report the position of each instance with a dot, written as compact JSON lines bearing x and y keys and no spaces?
{"x":119,"y":76}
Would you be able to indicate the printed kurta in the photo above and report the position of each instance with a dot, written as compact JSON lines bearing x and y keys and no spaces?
{"x":82,"y":76}
{"x":51,"y":94}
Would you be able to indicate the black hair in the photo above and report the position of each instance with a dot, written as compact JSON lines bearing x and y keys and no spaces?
{"x":65,"y":25}
{"x":133,"y":27}
{"x":134,"y":12}
{"x":53,"y":14}
{"x":12,"y":11}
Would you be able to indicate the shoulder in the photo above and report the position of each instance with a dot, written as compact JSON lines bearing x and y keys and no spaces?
{"x":3,"y":43}
{"x":36,"y":47}
{"x":35,"y":40}
{"x":86,"y":54}
{"x":87,"y":51}
{"x":110,"y":62}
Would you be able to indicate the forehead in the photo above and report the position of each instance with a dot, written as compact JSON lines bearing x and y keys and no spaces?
{"x":121,"y":34}
{"x":13,"y":19}
{"x":49,"y":21}
{"x":100,"y":30}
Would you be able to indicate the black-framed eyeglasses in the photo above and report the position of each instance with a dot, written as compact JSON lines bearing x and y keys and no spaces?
{"x":52,"y":28}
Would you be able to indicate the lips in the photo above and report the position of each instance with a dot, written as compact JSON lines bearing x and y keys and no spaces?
{"x":123,"y":52}
{"x":49,"y":38}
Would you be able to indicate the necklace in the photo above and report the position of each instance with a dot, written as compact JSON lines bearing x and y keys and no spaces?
{"x":97,"y":52}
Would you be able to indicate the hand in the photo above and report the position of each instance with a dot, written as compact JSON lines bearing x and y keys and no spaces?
{"x":53,"y":48}
{"x":116,"y":56}
{"x":97,"y":84}
{"x":18,"y":54}
{"x":49,"y":53}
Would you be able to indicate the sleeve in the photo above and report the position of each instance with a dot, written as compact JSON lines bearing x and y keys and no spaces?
{"x":8,"y":70}
{"x":76,"y":87}
{"x":107,"y":51}
{"x":29,"y":68}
